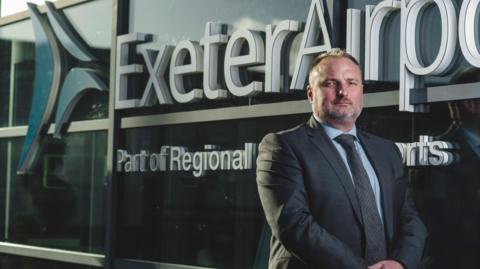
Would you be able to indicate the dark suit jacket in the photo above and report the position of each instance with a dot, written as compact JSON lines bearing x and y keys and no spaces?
{"x":312,"y":209}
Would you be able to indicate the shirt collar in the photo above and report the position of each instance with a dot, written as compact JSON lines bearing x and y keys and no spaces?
{"x":334,"y":132}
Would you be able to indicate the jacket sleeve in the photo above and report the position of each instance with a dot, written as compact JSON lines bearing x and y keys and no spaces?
{"x":286,"y":205}
{"x":412,"y":233}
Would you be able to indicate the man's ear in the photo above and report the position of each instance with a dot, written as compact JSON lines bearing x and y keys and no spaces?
{"x":309,"y":93}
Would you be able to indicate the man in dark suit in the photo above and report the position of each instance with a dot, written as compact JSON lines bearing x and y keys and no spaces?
{"x":334,"y":196}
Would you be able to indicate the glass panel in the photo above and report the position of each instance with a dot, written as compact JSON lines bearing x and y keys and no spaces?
{"x":18,"y":67}
{"x":22,"y":73}
{"x":61,"y":204}
{"x":212,"y":220}
{"x":4,"y":81}
{"x":9,"y":7}
{"x":11,"y":261}
{"x":17,"y":70}
{"x":158,"y":17}
{"x":97,"y":30}
{"x":189,"y":209}
{"x":97,"y":33}
{"x":448,"y":196}
{"x":17,"y":61}
{"x":161,"y":19}
{"x":4,"y":185}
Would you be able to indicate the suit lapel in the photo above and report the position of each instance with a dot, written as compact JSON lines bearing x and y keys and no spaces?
{"x":380,"y":166}
{"x":320,"y":139}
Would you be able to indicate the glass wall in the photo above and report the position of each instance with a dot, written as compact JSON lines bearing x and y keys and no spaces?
{"x":161,"y":19}
{"x":448,"y":197}
{"x":18,"y":63}
{"x":215,"y":220}
{"x":4,"y":81}
{"x":60,"y":204}
{"x":212,"y":219}
{"x":17,"y":83}
{"x":197,"y":215}
{"x":9,"y":7}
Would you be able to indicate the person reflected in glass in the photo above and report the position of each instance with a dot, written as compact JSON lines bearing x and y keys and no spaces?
{"x":452,"y":205}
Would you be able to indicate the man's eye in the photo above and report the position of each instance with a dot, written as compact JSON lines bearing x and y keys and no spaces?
{"x":330,"y":83}
{"x":352,"y":83}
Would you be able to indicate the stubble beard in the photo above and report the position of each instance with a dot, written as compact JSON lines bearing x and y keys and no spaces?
{"x":339,"y":114}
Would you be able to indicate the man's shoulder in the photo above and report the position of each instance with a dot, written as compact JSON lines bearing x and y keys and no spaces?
{"x":374,"y":138}
{"x":300,"y":128}
{"x":292,"y":132}
{"x":282,"y":138}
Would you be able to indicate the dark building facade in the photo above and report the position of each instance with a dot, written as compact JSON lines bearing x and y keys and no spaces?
{"x":129,"y":129}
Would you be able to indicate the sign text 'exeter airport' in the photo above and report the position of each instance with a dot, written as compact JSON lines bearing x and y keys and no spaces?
{"x":268,"y":50}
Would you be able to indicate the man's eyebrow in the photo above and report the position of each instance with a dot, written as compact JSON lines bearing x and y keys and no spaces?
{"x":359,"y":80}
{"x":320,"y":82}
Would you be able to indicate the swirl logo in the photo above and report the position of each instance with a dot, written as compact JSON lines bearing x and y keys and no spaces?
{"x":57,"y":84}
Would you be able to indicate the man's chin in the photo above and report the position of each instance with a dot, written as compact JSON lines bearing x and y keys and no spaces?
{"x":343,"y":117}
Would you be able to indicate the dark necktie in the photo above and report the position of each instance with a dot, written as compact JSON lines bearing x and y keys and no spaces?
{"x":375,"y":244}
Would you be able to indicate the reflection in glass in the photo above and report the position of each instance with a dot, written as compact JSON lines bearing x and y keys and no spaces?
{"x":22,"y":72}
{"x":17,"y":65}
{"x":158,"y":17}
{"x":60,"y":205}
{"x":4,"y":186}
{"x":161,"y":19}
{"x":17,"y":61}
{"x":4,"y":81}
{"x":450,"y":195}
{"x":9,"y":7}
{"x":214,"y":220}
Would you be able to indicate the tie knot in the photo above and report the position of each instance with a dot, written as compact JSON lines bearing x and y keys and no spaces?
{"x":346,"y":140}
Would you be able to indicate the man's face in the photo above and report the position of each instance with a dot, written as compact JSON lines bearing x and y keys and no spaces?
{"x":336,"y":91}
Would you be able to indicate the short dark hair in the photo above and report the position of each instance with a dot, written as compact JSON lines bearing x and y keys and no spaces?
{"x":335,"y":52}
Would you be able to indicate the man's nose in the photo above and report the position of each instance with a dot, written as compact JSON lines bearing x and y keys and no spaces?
{"x":342,"y":90}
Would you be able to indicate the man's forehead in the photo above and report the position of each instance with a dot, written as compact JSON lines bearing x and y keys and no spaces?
{"x":327,"y":62}
{"x":325,"y":67}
